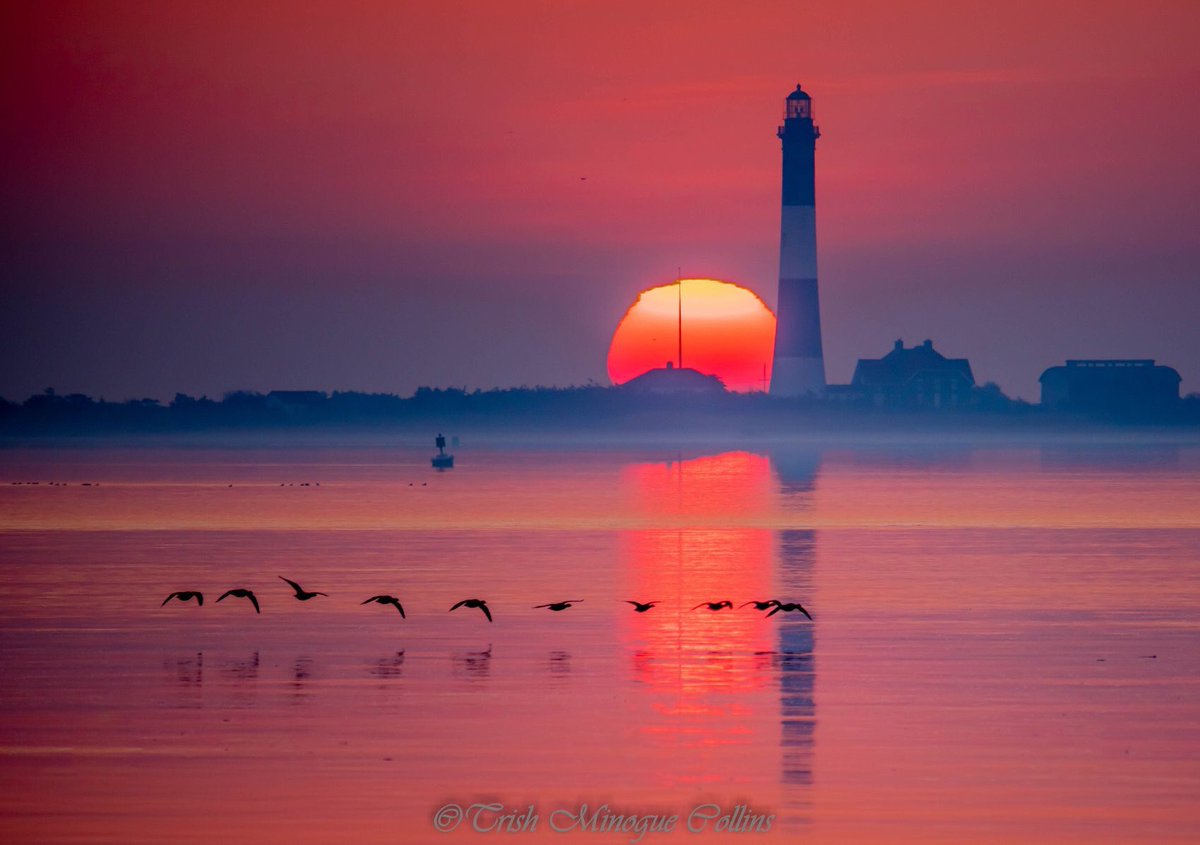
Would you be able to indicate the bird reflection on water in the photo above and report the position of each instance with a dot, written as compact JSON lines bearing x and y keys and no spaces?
{"x":473,"y":665}
{"x":187,"y":673}
{"x":299,"y":685}
{"x":242,"y":671}
{"x":558,"y":664}
{"x":388,"y":667}
{"x":239,"y":680}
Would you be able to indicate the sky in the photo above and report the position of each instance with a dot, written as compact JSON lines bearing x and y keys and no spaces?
{"x":203,"y":197}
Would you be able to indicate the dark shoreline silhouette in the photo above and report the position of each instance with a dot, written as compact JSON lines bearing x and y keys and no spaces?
{"x":590,"y":409}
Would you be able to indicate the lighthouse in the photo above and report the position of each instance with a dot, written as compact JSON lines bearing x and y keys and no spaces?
{"x":799,"y":366}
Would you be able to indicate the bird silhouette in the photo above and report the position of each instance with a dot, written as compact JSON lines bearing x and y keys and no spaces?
{"x":392,"y":600}
{"x":242,"y":594}
{"x":301,"y":593}
{"x":558,"y":605}
{"x":185,"y":595}
{"x":641,"y":607}
{"x":787,"y":607}
{"x":479,"y":603}
{"x":760,"y":605}
{"x":714,"y":605}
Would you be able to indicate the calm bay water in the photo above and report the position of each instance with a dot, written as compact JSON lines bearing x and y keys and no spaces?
{"x":1005,"y":645}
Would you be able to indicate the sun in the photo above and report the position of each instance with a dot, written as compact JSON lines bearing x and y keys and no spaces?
{"x":727,"y":331}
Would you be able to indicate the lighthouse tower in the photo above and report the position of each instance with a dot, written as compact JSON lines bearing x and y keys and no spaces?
{"x":799,"y":366}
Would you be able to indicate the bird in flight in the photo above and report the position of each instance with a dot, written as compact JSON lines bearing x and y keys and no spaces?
{"x":787,"y":607}
{"x":558,"y":605}
{"x":479,"y":603}
{"x":714,"y":605}
{"x":301,"y":593}
{"x":242,"y":594}
{"x":641,"y":607}
{"x":760,"y":605}
{"x":185,"y":595}
{"x":392,"y":600}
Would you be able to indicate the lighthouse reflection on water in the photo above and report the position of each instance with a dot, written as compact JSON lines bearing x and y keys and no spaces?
{"x":728,"y":690}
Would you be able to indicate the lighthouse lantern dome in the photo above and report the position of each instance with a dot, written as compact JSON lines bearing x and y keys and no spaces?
{"x":798,"y":104}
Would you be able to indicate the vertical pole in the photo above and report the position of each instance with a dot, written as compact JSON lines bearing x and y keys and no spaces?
{"x":679,"y":284}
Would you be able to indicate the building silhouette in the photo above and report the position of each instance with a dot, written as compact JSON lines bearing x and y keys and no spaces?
{"x":672,"y":379}
{"x":914,"y":377}
{"x":799,"y":364}
{"x":1135,"y":385}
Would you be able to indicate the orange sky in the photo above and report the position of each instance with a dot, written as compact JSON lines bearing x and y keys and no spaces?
{"x":383,"y":195}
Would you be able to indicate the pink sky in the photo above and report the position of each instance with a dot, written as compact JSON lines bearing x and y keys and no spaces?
{"x":204,"y":196}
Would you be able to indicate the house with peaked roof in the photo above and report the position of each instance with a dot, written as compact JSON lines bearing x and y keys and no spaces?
{"x":913,"y":377}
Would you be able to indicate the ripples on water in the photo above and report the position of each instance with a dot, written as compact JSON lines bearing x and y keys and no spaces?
{"x":1005,"y":645}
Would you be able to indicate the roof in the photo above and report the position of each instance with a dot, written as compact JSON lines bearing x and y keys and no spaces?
{"x":901,"y":366}
{"x":799,"y":94}
{"x":675,"y":380}
{"x":1111,"y":369}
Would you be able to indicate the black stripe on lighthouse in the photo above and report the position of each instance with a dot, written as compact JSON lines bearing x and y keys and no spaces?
{"x":799,"y":167}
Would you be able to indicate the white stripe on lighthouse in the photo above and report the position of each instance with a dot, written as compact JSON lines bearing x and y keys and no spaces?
{"x":798,"y":377}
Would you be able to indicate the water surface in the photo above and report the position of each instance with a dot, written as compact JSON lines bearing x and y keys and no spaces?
{"x":1005,"y":645}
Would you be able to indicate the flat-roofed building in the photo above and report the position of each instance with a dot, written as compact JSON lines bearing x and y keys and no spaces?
{"x":1116,"y":384}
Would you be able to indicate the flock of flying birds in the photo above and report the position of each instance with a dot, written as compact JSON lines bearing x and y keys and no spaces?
{"x":772,"y":606}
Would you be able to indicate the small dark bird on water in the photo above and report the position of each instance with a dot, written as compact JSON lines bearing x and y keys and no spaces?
{"x":392,"y":600}
{"x":185,"y":595}
{"x":242,"y":594}
{"x":787,"y":607}
{"x":479,"y":603}
{"x":760,"y":605}
{"x":301,"y":593}
{"x":714,"y":605}
{"x":641,"y":607}
{"x":558,"y":605}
